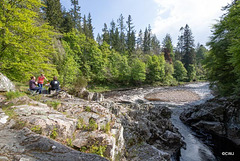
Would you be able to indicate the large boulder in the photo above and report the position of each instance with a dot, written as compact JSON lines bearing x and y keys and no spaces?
{"x":219,"y":116}
{"x":5,"y":84}
{"x":26,"y":145}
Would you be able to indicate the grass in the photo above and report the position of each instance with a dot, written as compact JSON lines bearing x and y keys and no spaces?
{"x":8,"y":110}
{"x":53,"y":104}
{"x":11,"y":95}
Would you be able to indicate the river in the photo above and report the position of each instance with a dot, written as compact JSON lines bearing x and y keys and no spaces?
{"x":195,"y":148}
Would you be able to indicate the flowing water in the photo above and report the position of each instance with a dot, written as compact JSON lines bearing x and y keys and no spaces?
{"x":197,"y":147}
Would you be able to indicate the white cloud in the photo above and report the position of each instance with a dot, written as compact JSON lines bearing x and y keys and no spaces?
{"x":199,"y":15}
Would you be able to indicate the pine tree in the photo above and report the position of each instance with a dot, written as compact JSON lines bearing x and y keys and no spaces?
{"x":155,"y":45}
{"x":76,"y":15}
{"x":53,"y":13}
{"x":99,"y":39}
{"x":140,"y":40}
{"x":121,"y":27}
{"x":90,"y":27}
{"x":85,"y":28}
{"x":67,"y":24}
{"x":168,"y":48}
{"x":106,"y":35}
{"x":130,"y":42}
{"x":112,"y":32}
{"x":147,"y":40}
{"x":188,"y":47}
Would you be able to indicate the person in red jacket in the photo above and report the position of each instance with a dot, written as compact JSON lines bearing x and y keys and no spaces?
{"x":41,"y":80}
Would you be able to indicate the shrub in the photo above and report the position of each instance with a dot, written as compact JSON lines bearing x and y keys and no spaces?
{"x":88,"y":109}
{"x":92,"y":125}
{"x":37,"y":129}
{"x":54,"y":133}
{"x":80,"y":123}
{"x":69,"y":142}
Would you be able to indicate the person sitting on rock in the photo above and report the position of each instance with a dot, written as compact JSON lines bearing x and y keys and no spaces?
{"x":32,"y":85}
{"x":41,"y":80}
{"x":54,"y":85}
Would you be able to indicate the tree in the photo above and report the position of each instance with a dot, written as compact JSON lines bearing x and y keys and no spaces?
{"x":147,"y":40}
{"x":112,"y":33}
{"x":130,"y":36}
{"x":53,"y":13}
{"x":90,"y":27}
{"x":222,"y":61}
{"x":76,"y":15}
{"x":85,"y":28}
{"x":168,"y":48}
{"x":155,"y":68}
{"x":180,"y":72}
{"x":140,"y":40}
{"x":155,"y":45}
{"x":188,"y":47}
{"x":106,"y":35}
{"x":25,"y":43}
{"x":138,"y":72}
{"x":185,"y":48}
{"x":67,"y":24}
{"x":68,"y":68}
{"x":121,"y":27}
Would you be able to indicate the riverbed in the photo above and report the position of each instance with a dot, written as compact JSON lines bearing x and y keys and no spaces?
{"x":195,"y":148}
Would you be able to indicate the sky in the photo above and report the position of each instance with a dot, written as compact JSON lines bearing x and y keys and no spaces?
{"x":164,"y":16}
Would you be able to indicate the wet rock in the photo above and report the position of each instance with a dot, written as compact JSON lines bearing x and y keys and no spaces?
{"x":150,"y":126}
{"x":218,"y":116}
{"x":146,"y":152}
{"x":5,"y":84}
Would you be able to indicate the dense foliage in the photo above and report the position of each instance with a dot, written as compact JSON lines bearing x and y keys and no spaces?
{"x":38,"y":36}
{"x":223,"y":60}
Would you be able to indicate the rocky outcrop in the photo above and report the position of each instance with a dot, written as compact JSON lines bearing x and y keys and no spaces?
{"x":90,"y":96}
{"x":218,"y":116}
{"x":25,"y":145}
{"x":5,"y":84}
{"x":149,"y":133}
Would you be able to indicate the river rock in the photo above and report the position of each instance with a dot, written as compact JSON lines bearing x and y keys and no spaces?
{"x":152,"y":128}
{"x":218,"y":116}
{"x":5,"y":84}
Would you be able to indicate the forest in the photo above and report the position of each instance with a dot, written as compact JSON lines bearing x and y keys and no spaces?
{"x":40,"y":36}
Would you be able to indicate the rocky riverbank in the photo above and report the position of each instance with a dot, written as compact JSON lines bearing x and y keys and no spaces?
{"x":218,"y":116}
{"x":63,"y":127}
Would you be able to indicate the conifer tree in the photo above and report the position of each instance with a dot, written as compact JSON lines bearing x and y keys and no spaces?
{"x":155,"y":45}
{"x":130,"y":42}
{"x":106,"y":35}
{"x":121,"y":27}
{"x":147,"y":40}
{"x":76,"y":15}
{"x":90,"y":27}
{"x":67,"y":24}
{"x":53,"y":13}
{"x":168,"y":48}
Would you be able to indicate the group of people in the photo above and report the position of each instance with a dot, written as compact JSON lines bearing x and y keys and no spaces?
{"x":38,"y":85}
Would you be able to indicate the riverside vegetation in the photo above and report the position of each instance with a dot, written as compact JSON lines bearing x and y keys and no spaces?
{"x":33,"y":42}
